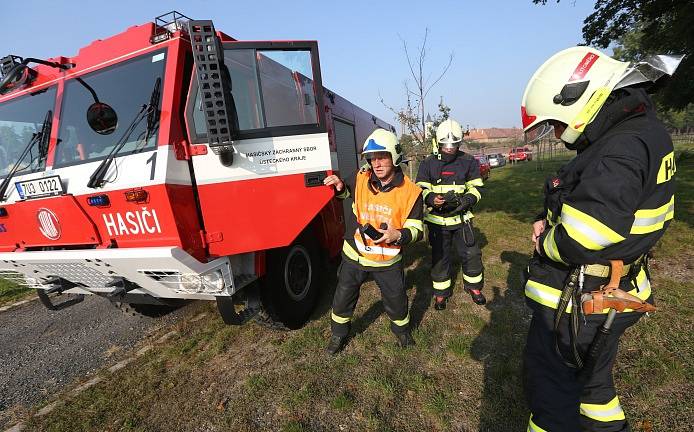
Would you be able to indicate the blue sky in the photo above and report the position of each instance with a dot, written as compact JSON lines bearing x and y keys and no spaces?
{"x":497,"y":44}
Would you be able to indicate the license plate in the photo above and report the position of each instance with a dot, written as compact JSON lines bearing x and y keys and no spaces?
{"x":39,"y":188}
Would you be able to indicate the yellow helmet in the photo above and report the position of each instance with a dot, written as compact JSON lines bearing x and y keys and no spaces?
{"x":570,"y":87}
{"x":449,"y":134}
{"x":382,"y":140}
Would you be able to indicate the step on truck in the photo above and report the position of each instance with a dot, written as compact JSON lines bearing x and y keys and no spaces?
{"x":170,"y":163}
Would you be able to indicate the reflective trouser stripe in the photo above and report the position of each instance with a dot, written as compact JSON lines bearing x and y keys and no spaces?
{"x":472,"y":279}
{"x":610,"y":411}
{"x":339,"y":319}
{"x":548,"y":296}
{"x":586,"y":230}
{"x":402,"y":322}
{"x":442,"y":285}
{"x":650,"y":220}
{"x":354,"y":256}
{"x":532,"y":427}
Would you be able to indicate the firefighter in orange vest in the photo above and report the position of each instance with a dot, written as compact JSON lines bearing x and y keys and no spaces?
{"x":387,"y":214}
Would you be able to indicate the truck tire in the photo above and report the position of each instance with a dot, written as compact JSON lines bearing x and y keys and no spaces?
{"x":290,"y":287}
{"x":147,"y":310}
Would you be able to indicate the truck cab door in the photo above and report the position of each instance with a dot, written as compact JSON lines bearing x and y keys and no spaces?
{"x":271,"y":187}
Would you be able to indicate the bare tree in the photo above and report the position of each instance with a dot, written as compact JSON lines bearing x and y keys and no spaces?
{"x":413,"y":116}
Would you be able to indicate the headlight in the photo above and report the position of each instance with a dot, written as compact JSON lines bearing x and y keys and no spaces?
{"x":213,"y":281}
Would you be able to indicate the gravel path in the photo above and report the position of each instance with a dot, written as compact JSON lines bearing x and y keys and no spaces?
{"x":41,"y":351}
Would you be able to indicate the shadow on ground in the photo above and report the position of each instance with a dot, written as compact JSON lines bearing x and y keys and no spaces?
{"x":498,"y":347}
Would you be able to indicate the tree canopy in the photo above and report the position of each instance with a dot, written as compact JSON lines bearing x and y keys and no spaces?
{"x":641,"y":27}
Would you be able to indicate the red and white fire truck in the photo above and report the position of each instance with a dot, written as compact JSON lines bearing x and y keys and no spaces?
{"x":172,"y":162}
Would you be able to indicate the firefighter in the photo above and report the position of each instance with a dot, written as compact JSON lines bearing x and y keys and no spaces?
{"x":387,"y":214}
{"x":450,"y":180}
{"x":613,"y":201}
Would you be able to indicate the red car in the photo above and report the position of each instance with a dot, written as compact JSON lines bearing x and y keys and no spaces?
{"x":520,"y":154}
{"x":485,"y":168}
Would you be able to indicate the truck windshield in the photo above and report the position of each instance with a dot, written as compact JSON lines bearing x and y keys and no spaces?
{"x":270,"y":88}
{"x":126,"y":87}
{"x":20,"y":119}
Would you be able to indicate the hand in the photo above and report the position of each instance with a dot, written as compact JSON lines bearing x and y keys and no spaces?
{"x":438,"y":201}
{"x":390,"y":235}
{"x":538,"y":229}
{"x":333,"y":180}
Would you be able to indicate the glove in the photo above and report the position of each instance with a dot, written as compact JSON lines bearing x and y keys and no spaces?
{"x":467,"y":201}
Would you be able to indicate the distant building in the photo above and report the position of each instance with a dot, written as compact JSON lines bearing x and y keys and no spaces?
{"x":428,"y":127}
{"x":495,"y":135}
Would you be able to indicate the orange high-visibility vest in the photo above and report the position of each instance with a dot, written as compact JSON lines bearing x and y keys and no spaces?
{"x":391,"y":207}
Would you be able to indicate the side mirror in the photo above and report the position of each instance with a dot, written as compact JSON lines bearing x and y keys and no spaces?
{"x":102,"y":118}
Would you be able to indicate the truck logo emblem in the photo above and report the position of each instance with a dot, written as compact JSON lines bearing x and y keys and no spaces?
{"x":48,"y":224}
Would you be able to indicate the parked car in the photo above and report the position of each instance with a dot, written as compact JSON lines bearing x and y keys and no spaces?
{"x":496,"y":160}
{"x":520,"y":154}
{"x":485,"y":168}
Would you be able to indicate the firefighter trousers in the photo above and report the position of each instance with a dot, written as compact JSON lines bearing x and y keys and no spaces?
{"x":443,"y":241}
{"x":390,"y":281}
{"x":558,"y":400}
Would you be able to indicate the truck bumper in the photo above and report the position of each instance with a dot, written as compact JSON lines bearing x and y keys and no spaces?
{"x":163,"y":272}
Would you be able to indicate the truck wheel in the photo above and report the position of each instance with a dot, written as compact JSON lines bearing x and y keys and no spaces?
{"x":148,"y":310}
{"x":289,"y":290}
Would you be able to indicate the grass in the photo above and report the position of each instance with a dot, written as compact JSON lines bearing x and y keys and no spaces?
{"x":464,"y":374}
{"x":11,"y":292}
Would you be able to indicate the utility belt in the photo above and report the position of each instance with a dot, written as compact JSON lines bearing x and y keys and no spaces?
{"x":607,"y":299}
{"x":603,"y":271}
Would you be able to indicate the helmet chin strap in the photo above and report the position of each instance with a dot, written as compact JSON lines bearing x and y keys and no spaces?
{"x":576,"y":127}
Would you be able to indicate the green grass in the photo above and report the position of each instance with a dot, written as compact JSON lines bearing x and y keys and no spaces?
{"x":11,"y":292}
{"x":463,"y":374}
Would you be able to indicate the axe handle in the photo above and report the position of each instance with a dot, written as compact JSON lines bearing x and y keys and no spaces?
{"x":604,"y":330}
{"x":596,"y":347}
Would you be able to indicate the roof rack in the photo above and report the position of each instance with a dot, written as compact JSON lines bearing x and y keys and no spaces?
{"x":167,"y":24}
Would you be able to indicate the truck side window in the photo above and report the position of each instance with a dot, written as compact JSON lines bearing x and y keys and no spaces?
{"x":270,"y":88}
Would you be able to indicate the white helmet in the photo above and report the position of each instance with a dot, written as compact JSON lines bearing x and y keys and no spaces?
{"x":449,"y":134}
{"x":570,"y":87}
{"x":382,"y":140}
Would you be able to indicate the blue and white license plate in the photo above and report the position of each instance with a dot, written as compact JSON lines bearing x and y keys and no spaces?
{"x":40,"y":188}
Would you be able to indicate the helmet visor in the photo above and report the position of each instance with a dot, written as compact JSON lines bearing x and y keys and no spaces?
{"x":538,"y":132}
{"x":449,"y":145}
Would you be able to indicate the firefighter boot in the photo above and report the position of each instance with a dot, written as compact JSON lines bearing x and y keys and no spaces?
{"x":404,"y":339}
{"x":440,"y":303}
{"x":336,"y":344}
{"x":476,"y":295}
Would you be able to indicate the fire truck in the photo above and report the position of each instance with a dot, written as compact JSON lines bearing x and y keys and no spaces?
{"x":170,"y":163}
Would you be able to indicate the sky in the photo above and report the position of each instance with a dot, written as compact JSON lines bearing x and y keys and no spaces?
{"x":497,"y":45}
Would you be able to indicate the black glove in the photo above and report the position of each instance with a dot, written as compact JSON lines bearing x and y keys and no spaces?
{"x":452,"y":201}
{"x":467,"y":201}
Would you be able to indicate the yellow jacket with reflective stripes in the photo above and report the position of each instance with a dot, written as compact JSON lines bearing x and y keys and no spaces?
{"x":438,"y":176}
{"x":615,"y":199}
